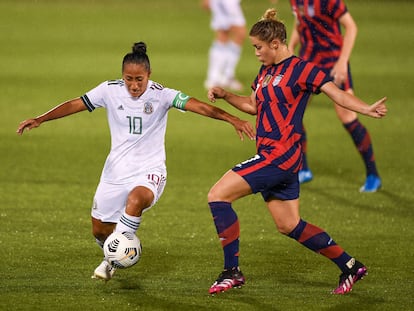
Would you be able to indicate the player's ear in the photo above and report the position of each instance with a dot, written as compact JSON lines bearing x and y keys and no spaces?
{"x":274,"y":44}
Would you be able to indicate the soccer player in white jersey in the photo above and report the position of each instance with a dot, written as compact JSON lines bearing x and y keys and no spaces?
{"x":229,"y":26}
{"x":134,"y":174}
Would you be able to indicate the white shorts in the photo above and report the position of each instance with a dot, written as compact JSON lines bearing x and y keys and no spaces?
{"x":226,"y":13}
{"x":110,"y":199}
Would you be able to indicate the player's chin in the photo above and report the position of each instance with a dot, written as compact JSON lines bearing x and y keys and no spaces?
{"x":135,"y":93}
{"x":264,"y":62}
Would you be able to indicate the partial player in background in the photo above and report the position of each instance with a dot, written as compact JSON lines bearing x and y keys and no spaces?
{"x":318,"y":30}
{"x":229,"y":25}
{"x":280,"y":94}
{"x":134,"y":174}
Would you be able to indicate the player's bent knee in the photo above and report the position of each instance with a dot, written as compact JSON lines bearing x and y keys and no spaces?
{"x":213,"y":196}
{"x":286,"y":229}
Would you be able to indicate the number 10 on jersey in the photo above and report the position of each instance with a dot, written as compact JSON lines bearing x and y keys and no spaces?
{"x":135,"y":125}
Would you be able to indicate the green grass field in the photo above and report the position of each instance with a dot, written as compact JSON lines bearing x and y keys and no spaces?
{"x":53,"y":50}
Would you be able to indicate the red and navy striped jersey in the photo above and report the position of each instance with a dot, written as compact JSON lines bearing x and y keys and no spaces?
{"x":319,"y":29}
{"x":282,"y":93}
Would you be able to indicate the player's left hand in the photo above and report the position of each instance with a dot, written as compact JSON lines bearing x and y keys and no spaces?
{"x":245,"y":127}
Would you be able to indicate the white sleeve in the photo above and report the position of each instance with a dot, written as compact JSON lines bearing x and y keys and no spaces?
{"x":95,"y":97}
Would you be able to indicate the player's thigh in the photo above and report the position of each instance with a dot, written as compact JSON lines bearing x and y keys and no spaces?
{"x":228,"y":188}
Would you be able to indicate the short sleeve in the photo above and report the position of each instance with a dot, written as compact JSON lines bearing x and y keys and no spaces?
{"x":95,"y":97}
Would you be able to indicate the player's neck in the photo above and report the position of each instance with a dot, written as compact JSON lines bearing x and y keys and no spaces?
{"x":283,"y":54}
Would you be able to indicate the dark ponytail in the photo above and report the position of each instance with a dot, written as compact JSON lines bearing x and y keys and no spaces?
{"x":137,"y":56}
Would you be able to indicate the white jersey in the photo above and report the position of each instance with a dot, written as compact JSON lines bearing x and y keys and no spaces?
{"x":137,"y":126}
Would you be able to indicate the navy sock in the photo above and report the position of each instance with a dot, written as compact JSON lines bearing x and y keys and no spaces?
{"x":362,"y":141}
{"x":228,"y":230}
{"x":319,"y":241}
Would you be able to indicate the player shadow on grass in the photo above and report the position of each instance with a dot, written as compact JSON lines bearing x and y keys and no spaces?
{"x":346,"y":199}
{"x":248,"y":302}
{"x":155,"y":264}
{"x":356,"y":302}
{"x":128,"y":282}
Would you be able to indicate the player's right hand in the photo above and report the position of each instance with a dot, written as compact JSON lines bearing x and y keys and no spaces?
{"x":27,"y":124}
{"x":215,"y":93}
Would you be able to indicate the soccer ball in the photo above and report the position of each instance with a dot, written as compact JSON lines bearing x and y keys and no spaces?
{"x":122,"y":249}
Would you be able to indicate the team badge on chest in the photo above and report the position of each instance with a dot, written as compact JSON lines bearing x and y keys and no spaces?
{"x":266,"y":80}
{"x":148,"y":108}
{"x":277,"y":79}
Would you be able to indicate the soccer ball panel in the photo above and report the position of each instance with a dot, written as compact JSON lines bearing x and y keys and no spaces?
{"x":122,"y":249}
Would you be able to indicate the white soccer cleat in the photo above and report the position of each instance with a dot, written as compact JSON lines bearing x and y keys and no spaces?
{"x":104,"y":271}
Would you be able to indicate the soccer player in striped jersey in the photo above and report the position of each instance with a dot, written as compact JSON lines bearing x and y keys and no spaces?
{"x":134,"y":174}
{"x":280,"y":93}
{"x":318,"y":30}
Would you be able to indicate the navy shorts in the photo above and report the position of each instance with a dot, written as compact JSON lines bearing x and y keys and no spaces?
{"x":268,"y":179}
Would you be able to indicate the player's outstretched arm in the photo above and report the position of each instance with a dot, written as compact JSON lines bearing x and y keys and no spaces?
{"x":351,"y":102}
{"x":204,"y":109}
{"x":60,"y":111}
{"x":246,"y":104}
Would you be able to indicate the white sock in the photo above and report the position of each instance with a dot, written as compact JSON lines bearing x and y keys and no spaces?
{"x":216,"y":62}
{"x":233,"y":52}
{"x":128,"y":223}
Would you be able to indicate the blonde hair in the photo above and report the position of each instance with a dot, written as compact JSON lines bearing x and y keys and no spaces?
{"x":269,"y":28}
{"x":269,"y":14}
